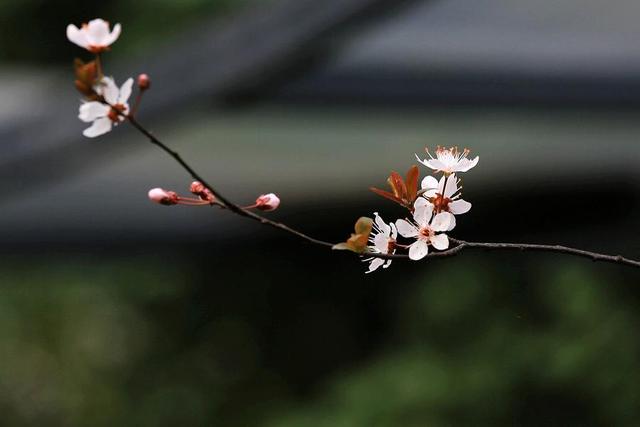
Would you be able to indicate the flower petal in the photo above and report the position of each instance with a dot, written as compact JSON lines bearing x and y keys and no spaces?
{"x":98,"y":32}
{"x":429,"y":183}
{"x":384,"y":228}
{"x":440,"y":242}
{"x":452,"y":224}
{"x":435,"y":164}
{"x":466,"y":164}
{"x":406,"y":229}
{"x":77,"y":36}
{"x":394,"y":231}
{"x":115,"y":33}
{"x":108,"y":89}
{"x":125,"y":91}
{"x":458,"y":207}
{"x":381,"y":243}
{"x":418,"y":250}
{"x":99,"y":127}
{"x":90,"y":111}
{"x":452,"y":186}
{"x":375,"y":264}
{"x":441,"y":221}
{"x":422,"y":211}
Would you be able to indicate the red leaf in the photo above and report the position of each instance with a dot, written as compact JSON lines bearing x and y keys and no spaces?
{"x":397,"y":185}
{"x":386,"y":195}
{"x":412,"y":183}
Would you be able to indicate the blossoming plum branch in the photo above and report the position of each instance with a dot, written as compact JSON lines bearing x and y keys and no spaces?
{"x":432,"y":209}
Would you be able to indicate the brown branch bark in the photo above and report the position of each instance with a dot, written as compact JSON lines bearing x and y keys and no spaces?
{"x":461,"y":245}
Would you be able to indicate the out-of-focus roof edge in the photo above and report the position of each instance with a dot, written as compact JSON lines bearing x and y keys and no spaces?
{"x":249,"y":48}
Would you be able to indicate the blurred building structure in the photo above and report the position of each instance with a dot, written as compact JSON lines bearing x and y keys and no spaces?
{"x":299,"y":95}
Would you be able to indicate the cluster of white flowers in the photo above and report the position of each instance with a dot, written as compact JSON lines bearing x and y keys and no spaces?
{"x":434,"y":211}
{"x":109,"y":104}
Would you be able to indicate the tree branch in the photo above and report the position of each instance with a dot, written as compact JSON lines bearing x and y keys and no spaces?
{"x":225,"y":202}
{"x":460,"y":245}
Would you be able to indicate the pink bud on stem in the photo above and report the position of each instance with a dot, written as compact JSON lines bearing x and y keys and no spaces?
{"x":144,"y":81}
{"x":201,"y":191}
{"x":267,"y":202}
{"x":163,"y":197}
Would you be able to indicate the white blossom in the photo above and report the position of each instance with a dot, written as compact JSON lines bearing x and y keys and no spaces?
{"x":268,"y":202}
{"x":445,"y":197}
{"x":105,"y":115}
{"x":424,"y":229}
{"x":449,"y":160}
{"x":94,"y":36}
{"x":383,"y":239}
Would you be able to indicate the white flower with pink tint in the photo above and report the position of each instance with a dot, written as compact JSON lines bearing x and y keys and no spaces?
{"x":267,"y":202}
{"x":383,"y":239}
{"x":163,"y":197}
{"x":449,"y":160}
{"x":112,"y":111}
{"x":424,"y":229}
{"x":94,"y":36}
{"x":445,"y":196}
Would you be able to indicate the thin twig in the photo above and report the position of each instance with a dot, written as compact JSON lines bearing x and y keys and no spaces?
{"x":225,"y":202}
{"x":460,"y":245}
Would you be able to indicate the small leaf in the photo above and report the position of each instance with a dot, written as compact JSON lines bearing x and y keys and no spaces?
{"x":397,"y":185}
{"x":86,"y":77}
{"x":358,"y":240}
{"x":386,"y":195}
{"x":364,"y":225}
{"x":412,"y":183}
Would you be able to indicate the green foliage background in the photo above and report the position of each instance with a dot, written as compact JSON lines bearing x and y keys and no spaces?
{"x":91,"y":341}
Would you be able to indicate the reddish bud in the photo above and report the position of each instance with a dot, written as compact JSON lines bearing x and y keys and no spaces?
{"x":163,"y":197}
{"x":267,"y":202}
{"x":87,"y":75}
{"x":196,"y":187}
{"x":144,"y":81}
{"x":201,"y":191}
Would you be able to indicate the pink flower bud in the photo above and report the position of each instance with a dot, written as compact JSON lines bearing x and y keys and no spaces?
{"x":144,"y":81}
{"x":267,"y":202}
{"x":196,"y":187}
{"x":201,"y":191}
{"x":163,"y":197}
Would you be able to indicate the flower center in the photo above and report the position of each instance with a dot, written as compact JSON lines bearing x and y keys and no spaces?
{"x":391,"y":246}
{"x":116,"y":111}
{"x":426,"y":233}
{"x":440,"y":203}
{"x":452,"y":154}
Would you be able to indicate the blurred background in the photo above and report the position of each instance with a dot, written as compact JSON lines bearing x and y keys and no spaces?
{"x":116,"y":311}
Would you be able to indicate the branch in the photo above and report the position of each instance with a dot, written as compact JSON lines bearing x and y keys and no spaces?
{"x":460,"y":245}
{"x":226,"y":202}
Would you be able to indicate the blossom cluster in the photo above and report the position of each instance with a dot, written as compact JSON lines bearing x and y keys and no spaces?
{"x":433,"y":207}
{"x":433,"y":211}
{"x":105,"y":104}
